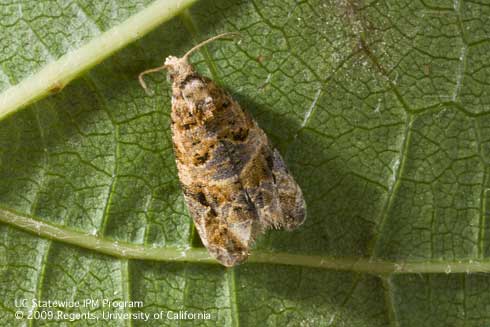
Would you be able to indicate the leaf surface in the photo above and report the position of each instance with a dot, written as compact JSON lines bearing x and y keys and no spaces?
{"x":380,"y":110}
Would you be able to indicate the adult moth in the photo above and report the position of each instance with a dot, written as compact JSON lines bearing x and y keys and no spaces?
{"x":235,"y":183}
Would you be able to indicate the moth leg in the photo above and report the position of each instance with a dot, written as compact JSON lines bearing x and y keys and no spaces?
{"x":291,"y":199}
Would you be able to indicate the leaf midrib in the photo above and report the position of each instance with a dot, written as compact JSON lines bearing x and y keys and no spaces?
{"x":53,"y":77}
{"x":199,"y":255}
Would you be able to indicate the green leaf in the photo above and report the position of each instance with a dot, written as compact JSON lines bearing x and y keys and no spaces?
{"x":380,"y":109}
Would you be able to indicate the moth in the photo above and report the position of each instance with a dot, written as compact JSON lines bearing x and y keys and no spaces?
{"x":235,"y":183}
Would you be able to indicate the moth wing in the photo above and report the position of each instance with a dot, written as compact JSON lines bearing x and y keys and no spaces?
{"x":290,"y":196}
{"x":273,"y":191}
{"x":227,"y":241}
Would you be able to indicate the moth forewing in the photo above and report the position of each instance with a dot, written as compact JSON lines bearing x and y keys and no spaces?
{"x":235,"y":183}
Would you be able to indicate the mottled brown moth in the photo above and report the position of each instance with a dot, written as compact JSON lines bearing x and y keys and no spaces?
{"x":235,"y":183}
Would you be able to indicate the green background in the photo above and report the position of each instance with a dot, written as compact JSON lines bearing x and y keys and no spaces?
{"x":381,"y":110}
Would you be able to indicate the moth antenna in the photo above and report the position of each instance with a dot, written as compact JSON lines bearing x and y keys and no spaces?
{"x":220,"y":36}
{"x":157,"y":69}
{"x":148,"y":71}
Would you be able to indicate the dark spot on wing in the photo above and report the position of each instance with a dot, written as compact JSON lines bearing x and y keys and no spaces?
{"x":228,"y":159}
{"x":201,"y":198}
{"x":240,"y":135}
{"x":201,"y":159}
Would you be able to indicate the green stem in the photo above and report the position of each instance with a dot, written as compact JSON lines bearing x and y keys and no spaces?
{"x":200,"y":255}
{"x":54,"y":76}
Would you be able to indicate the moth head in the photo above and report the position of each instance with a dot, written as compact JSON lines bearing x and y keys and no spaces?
{"x":178,"y":68}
